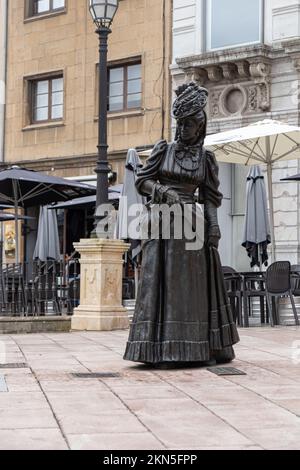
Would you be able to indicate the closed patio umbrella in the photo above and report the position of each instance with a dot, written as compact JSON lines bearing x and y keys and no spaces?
{"x":265,"y":142}
{"x":47,"y":243}
{"x":129,"y":197}
{"x":26,"y":188}
{"x":257,"y":234}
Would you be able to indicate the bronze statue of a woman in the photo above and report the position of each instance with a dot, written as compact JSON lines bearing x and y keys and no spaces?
{"x":182,"y":311}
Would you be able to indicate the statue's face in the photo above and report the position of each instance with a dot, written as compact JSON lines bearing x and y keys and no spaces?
{"x":190,"y":129}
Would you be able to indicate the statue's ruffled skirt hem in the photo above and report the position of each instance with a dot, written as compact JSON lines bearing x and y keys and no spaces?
{"x":169,"y":351}
{"x":181,"y":351}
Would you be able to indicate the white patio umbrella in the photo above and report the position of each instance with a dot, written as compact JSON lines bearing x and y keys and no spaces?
{"x":265,"y":142}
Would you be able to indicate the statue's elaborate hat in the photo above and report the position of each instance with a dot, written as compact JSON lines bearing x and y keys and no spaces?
{"x":191,"y":99}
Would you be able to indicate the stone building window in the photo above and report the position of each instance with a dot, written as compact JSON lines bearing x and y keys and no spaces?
{"x":232,"y":23}
{"x":125,"y":87}
{"x":47,"y":99}
{"x":42,"y":7}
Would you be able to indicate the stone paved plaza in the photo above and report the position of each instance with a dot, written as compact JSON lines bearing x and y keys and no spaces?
{"x":46,"y":407}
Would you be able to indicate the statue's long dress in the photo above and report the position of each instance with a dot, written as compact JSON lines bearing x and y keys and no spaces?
{"x":182,"y":311}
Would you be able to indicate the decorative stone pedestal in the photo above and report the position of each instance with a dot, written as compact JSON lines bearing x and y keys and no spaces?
{"x":101,"y":286}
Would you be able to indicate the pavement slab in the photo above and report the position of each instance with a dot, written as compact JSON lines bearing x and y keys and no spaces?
{"x":45,"y":407}
{"x":33,"y":439}
{"x":119,"y":441}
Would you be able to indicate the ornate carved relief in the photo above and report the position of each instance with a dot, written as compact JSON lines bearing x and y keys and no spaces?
{"x":237,"y":87}
{"x":260,"y":69}
{"x":243,"y":69}
{"x":199,"y":76}
{"x":264,"y":99}
{"x":238,"y":99}
{"x":215,"y":103}
{"x":230,"y":71}
{"x":252,"y":99}
{"x":111,"y":288}
{"x":215,"y":74}
{"x":90,"y":281}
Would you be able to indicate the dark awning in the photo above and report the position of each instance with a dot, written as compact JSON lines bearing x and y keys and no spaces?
{"x":27,"y":188}
{"x":114,"y":194}
{"x":6,"y":217}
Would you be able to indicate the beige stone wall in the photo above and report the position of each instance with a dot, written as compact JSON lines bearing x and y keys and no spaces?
{"x":67,"y":42}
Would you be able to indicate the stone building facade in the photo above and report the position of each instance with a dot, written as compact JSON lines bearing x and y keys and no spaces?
{"x":51,"y":119}
{"x":248,"y":56}
{"x":3,"y":22}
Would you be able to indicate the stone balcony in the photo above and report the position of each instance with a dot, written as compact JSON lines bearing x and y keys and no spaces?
{"x":239,"y":79}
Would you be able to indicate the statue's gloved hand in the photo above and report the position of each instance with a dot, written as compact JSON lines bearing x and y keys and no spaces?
{"x":164,"y":195}
{"x":172,"y":197}
{"x":214,"y":236}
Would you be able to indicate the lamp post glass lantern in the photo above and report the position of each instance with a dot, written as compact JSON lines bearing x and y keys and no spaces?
{"x":102,"y":12}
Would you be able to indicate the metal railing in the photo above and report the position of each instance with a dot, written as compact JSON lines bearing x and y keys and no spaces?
{"x":39,"y":288}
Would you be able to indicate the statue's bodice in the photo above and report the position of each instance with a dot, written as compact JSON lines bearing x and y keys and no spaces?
{"x":184,"y":174}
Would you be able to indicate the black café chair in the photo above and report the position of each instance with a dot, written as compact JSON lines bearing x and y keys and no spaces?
{"x":128,"y":289}
{"x":295,"y":280}
{"x":13,"y":290}
{"x":73,"y":296}
{"x":45,"y":293}
{"x":278,"y":284}
{"x":254,"y":287}
{"x":233,"y":283}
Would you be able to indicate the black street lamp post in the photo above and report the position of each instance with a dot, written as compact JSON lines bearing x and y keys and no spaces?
{"x":102,"y":12}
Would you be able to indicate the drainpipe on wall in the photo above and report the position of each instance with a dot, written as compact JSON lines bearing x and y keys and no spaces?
{"x":3,"y":62}
{"x":169,"y":96}
{"x":3,"y":71}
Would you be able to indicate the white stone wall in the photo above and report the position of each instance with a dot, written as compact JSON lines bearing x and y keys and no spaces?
{"x":187,"y":21}
{"x":281,"y":32}
{"x":281,"y":21}
{"x":3,"y":4}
